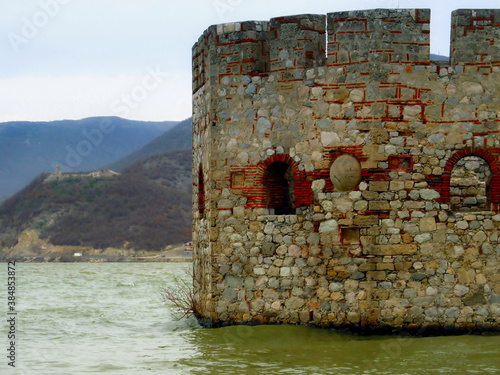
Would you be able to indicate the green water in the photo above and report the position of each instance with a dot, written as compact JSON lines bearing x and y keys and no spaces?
{"x":110,"y":319}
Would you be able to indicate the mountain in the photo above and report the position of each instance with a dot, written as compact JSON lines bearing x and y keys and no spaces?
{"x":177,"y":138}
{"x":30,"y":148}
{"x":146,"y":208}
{"x":439,"y":57}
{"x":170,"y":169}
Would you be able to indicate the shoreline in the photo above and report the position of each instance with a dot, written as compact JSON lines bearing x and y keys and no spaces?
{"x":92,"y":259}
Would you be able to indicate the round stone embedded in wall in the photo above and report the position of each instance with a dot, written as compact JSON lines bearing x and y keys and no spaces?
{"x":345,"y":172}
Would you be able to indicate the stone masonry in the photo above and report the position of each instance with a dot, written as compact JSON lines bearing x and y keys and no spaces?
{"x":325,"y":180}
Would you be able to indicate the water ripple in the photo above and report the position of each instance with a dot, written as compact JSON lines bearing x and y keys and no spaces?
{"x":77,"y":318}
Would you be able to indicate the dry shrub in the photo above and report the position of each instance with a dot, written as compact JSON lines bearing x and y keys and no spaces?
{"x":180,"y":299}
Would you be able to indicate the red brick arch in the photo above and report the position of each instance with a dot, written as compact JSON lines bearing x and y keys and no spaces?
{"x":302,"y":185}
{"x":482,"y":153}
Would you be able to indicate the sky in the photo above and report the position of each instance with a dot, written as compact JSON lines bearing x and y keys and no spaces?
{"x":72,"y":59}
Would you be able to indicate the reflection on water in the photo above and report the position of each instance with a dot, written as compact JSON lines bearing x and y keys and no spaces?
{"x":304,"y":350}
{"x":110,"y":319}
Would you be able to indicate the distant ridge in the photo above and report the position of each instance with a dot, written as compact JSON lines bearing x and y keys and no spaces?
{"x":439,"y":57}
{"x":177,"y":138}
{"x":171,"y":169}
{"x":30,"y":148}
{"x":147,"y":207}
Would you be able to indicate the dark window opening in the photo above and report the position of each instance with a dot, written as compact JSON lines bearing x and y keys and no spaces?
{"x":201,"y":192}
{"x":470,"y":185}
{"x":400,"y":163}
{"x":279,"y":184}
{"x":350,"y":236}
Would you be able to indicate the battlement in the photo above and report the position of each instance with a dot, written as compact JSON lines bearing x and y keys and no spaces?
{"x":374,"y":39}
{"x":473,"y":35}
{"x":379,"y":36}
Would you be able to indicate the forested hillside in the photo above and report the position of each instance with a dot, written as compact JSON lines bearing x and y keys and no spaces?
{"x":147,"y":207}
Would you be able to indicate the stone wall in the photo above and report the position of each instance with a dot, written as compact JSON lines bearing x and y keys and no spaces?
{"x":322,"y":177}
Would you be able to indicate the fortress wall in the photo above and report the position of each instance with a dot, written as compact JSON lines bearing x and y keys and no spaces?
{"x":474,"y":37}
{"x":297,"y":43}
{"x":387,"y":252}
{"x":381,"y":36}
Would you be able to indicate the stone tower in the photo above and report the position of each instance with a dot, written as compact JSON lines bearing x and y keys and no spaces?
{"x":341,"y":178}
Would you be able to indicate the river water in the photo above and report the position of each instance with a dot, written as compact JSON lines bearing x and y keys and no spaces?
{"x":109,"y":318}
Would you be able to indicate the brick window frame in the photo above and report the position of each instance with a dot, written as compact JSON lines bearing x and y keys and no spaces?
{"x":489,"y":158}
{"x":302,"y":192}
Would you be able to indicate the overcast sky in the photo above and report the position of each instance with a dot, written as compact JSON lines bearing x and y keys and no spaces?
{"x":71,"y":59}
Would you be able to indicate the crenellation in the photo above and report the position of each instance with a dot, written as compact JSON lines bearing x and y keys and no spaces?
{"x":298,"y":43}
{"x":360,"y":43}
{"x":356,"y":189}
{"x":474,"y":38}
{"x":378,"y":37}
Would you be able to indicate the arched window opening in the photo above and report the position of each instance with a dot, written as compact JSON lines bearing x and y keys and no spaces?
{"x":470,"y":185}
{"x":279,"y":183}
{"x":201,"y":192}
